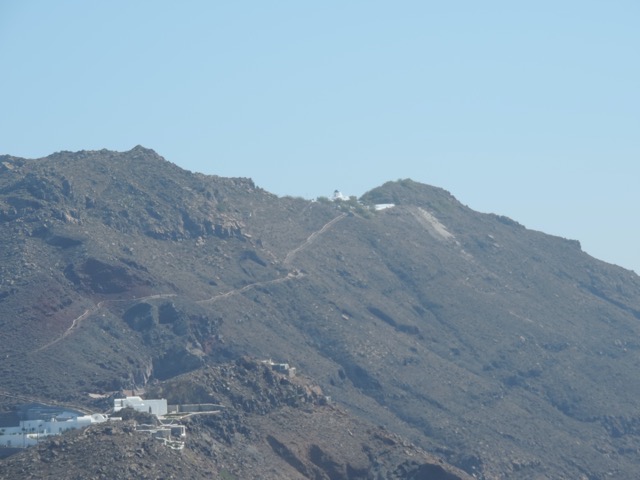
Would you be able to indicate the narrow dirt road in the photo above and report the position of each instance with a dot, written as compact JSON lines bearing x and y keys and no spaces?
{"x":290,"y":276}
{"x":312,"y":238}
{"x":90,"y":311}
{"x":237,"y":291}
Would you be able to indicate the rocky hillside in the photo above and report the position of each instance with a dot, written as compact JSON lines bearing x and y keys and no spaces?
{"x":261,"y":430}
{"x":503,"y":351}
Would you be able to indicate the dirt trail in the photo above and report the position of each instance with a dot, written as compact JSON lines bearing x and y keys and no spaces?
{"x":90,"y":311}
{"x":236,"y":291}
{"x":290,"y":276}
{"x":311,"y":239}
{"x":287,"y":261}
{"x":76,"y":321}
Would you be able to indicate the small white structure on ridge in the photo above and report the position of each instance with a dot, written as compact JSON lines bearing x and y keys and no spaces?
{"x":337,"y":195}
{"x":383,"y":206}
{"x":283,"y":368}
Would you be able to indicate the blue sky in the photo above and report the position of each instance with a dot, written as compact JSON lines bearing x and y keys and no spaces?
{"x":529,"y":109}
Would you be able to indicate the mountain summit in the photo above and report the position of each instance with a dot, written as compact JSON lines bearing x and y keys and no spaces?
{"x":432,"y":330}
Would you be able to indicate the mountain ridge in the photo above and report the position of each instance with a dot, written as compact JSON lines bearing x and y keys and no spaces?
{"x":442,"y":324}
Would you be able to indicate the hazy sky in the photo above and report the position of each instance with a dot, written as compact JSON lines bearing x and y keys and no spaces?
{"x":527,"y":108}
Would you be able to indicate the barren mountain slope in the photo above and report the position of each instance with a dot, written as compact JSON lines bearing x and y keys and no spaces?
{"x":508,"y":352}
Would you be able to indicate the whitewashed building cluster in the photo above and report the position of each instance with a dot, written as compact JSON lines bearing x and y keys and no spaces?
{"x":44,"y":421}
{"x":30,"y":432}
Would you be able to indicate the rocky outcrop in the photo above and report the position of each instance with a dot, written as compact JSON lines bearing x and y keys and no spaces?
{"x":177,"y":360}
{"x":270,"y":415}
{"x":140,"y":317}
{"x":102,"y":277}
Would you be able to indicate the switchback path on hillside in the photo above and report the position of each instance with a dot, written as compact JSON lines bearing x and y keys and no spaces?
{"x":290,"y":276}
{"x":312,"y":238}
{"x":287,"y":261}
{"x":90,"y":311}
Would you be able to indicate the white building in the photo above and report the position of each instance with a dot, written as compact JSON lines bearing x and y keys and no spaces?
{"x":154,"y":407}
{"x":283,"y":368}
{"x":29,"y":432}
{"x":383,"y":206}
{"x":338,"y":195}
